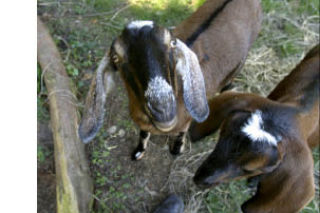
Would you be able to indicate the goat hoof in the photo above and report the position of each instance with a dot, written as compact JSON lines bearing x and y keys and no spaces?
{"x":137,"y":155}
{"x":177,"y":148}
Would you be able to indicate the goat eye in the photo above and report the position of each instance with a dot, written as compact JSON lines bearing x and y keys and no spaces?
{"x":173,"y":43}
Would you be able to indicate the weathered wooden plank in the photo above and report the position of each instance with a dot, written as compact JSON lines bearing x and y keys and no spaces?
{"x":74,"y":185}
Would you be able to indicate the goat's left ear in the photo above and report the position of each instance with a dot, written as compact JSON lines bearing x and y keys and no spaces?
{"x":194,"y":91}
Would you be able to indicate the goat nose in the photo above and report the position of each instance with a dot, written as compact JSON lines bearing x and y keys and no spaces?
{"x":159,"y":109}
{"x":200,"y":183}
{"x":162,"y":112}
{"x":204,"y":183}
{"x":156,"y":110}
{"x":198,"y":179}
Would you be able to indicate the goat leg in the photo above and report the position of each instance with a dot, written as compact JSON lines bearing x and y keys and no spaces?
{"x":141,"y":148}
{"x":179,"y":144}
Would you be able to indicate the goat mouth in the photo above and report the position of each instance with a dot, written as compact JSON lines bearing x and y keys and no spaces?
{"x":203,"y":182}
{"x":166,"y":126}
{"x":203,"y":185}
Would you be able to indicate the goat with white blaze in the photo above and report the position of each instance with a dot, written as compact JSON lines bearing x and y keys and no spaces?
{"x":270,"y":138}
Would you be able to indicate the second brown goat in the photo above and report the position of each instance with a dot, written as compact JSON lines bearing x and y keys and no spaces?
{"x":270,"y":137}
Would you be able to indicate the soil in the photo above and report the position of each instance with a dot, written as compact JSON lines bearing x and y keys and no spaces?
{"x":127,"y":186}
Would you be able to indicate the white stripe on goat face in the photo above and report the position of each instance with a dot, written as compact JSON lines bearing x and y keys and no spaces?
{"x":159,"y":88}
{"x":139,"y":24}
{"x":254,"y":131}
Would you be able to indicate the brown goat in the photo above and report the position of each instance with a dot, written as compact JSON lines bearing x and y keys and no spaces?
{"x":270,"y":137}
{"x":170,"y":76}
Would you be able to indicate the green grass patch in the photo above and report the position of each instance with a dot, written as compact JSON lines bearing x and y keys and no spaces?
{"x":227,"y":198}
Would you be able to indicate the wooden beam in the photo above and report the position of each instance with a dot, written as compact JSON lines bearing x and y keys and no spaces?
{"x":74,"y":185}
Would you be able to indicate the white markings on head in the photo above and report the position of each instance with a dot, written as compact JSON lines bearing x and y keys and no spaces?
{"x":139,"y":24}
{"x":159,"y":89}
{"x":254,"y":131}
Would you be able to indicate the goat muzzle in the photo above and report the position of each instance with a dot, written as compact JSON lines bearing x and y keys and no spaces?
{"x":166,"y":126}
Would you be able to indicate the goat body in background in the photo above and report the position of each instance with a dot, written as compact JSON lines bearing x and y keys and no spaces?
{"x":270,"y":137}
{"x":170,"y":76}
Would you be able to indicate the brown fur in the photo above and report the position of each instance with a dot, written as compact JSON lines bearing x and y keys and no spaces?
{"x":223,"y":47}
{"x":292,"y":183}
{"x":226,"y":43}
{"x":289,"y":187}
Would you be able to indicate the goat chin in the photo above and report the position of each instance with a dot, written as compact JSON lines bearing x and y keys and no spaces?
{"x":166,"y":126}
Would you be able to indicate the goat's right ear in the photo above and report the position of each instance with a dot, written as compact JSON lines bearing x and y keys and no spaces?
{"x":93,"y":114}
{"x":220,"y":108}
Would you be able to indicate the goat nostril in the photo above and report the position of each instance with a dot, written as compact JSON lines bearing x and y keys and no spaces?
{"x":200,"y":184}
{"x":197,"y":179}
{"x":159,"y":109}
{"x":155,"y":109}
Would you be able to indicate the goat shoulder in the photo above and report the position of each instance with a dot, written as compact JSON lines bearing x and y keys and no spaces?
{"x":225,"y":31}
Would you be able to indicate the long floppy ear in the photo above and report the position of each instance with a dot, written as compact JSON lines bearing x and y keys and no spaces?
{"x":92,"y":118}
{"x":301,"y":179}
{"x":269,"y":157}
{"x":220,"y":107}
{"x":194,"y":91}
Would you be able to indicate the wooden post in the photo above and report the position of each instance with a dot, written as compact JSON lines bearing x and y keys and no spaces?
{"x":74,"y":185}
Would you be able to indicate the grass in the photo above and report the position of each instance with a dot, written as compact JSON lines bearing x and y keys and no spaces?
{"x":83,"y":30}
{"x":42,"y":153}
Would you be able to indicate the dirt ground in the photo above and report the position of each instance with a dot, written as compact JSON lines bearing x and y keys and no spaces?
{"x":123,"y":185}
